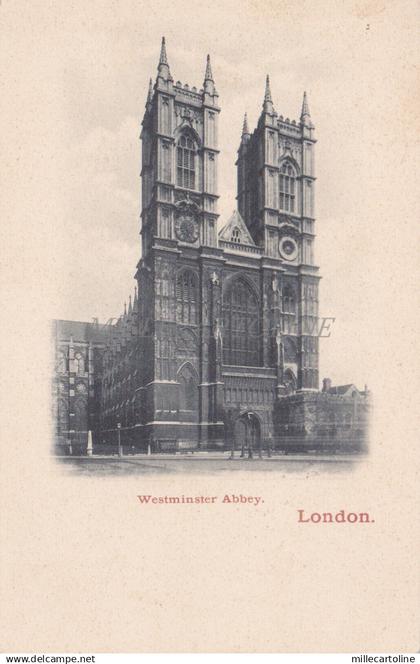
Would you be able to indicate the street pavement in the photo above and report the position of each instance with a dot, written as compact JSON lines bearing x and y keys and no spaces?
{"x":205,"y":463}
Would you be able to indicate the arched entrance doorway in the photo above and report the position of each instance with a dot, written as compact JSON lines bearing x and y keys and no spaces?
{"x":247,"y":435}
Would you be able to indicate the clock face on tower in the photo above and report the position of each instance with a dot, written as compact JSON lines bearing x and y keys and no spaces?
{"x":186,"y":228}
{"x":288,"y":248}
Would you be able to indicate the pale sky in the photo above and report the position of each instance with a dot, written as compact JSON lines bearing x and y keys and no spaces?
{"x":80,"y":77}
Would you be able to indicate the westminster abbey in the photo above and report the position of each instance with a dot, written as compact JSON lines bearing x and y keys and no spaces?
{"x":218,"y":349}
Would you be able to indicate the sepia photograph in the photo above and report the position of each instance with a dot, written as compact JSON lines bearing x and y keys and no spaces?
{"x":216,"y":351}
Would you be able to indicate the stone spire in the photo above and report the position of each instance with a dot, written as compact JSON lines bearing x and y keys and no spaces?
{"x":208,"y":75}
{"x":163,"y":67}
{"x":305,"y":116}
{"x":267,"y":95}
{"x":163,"y":60}
{"x":245,"y":132}
{"x":208,"y":84}
{"x":268,"y":101}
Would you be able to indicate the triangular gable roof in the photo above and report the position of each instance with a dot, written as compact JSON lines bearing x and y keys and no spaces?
{"x":343,"y":390}
{"x":236,"y":221}
{"x":81,"y":331}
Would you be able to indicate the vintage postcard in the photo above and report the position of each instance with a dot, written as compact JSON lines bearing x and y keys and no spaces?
{"x":209,"y":343}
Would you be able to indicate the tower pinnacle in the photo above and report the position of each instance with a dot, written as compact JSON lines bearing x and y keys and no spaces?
{"x":268,"y":101}
{"x":208,"y":85}
{"x":305,"y":107}
{"x":305,"y":116}
{"x":163,"y":67}
{"x":267,"y":95}
{"x":163,"y":60}
{"x":245,"y":130}
{"x":208,"y":75}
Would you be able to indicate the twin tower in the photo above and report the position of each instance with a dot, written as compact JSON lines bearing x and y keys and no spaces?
{"x":227,"y":318}
{"x":219,"y":350}
{"x":275,"y":167}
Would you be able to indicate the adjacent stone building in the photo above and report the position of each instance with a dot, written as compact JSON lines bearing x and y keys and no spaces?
{"x":77,"y":383}
{"x":219,"y":347}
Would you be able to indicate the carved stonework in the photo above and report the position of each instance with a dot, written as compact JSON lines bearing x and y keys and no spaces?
{"x":187,"y":114}
{"x":62,"y":388}
{"x":187,"y":343}
{"x":288,"y":147}
{"x":214,"y":278}
{"x":287,"y":228}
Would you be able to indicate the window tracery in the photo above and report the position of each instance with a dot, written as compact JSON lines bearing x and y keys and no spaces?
{"x":186,"y":162}
{"x":241,"y":322}
{"x":288,"y":187}
{"x":188,"y":393}
{"x":186,"y":297}
{"x":79,"y":363}
{"x":289,"y":301}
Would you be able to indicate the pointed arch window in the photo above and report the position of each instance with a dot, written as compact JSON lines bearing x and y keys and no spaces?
{"x":289,"y":300}
{"x":188,"y":392}
{"x":62,"y":416}
{"x":186,"y":297}
{"x":241,"y":325}
{"x":163,"y":292}
{"x":79,"y":363}
{"x":289,"y":381}
{"x":290,"y":352}
{"x":81,"y":414}
{"x":185,"y":156}
{"x":62,"y":363}
{"x":288,"y":188}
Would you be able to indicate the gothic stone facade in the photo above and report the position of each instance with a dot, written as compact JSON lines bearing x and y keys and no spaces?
{"x":77,"y":383}
{"x":219,"y":346}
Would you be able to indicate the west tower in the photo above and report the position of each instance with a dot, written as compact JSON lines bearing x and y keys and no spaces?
{"x":179,"y":137}
{"x":275,"y":194}
{"x":179,"y":160}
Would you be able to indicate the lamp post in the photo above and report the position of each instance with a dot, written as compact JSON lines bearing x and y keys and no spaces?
{"x":250,"y":438}
{"x":269,"y":445}
{"x":119,"y":439}
{"x":232,"y":444}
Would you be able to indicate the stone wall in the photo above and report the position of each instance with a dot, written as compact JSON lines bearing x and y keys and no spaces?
{"x":321,"y":422}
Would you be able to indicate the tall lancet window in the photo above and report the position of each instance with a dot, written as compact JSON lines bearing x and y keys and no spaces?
{"x":79,"y":363}
{"x":185,"y":155}
{"x":186,"y":297}
{"x":288,"y":188}
{"x":289,"y":300}
{"x":188,"y":389}
{"x":241,"y":325}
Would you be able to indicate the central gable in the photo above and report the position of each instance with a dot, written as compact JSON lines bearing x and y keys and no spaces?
{"x":236,"y":232}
